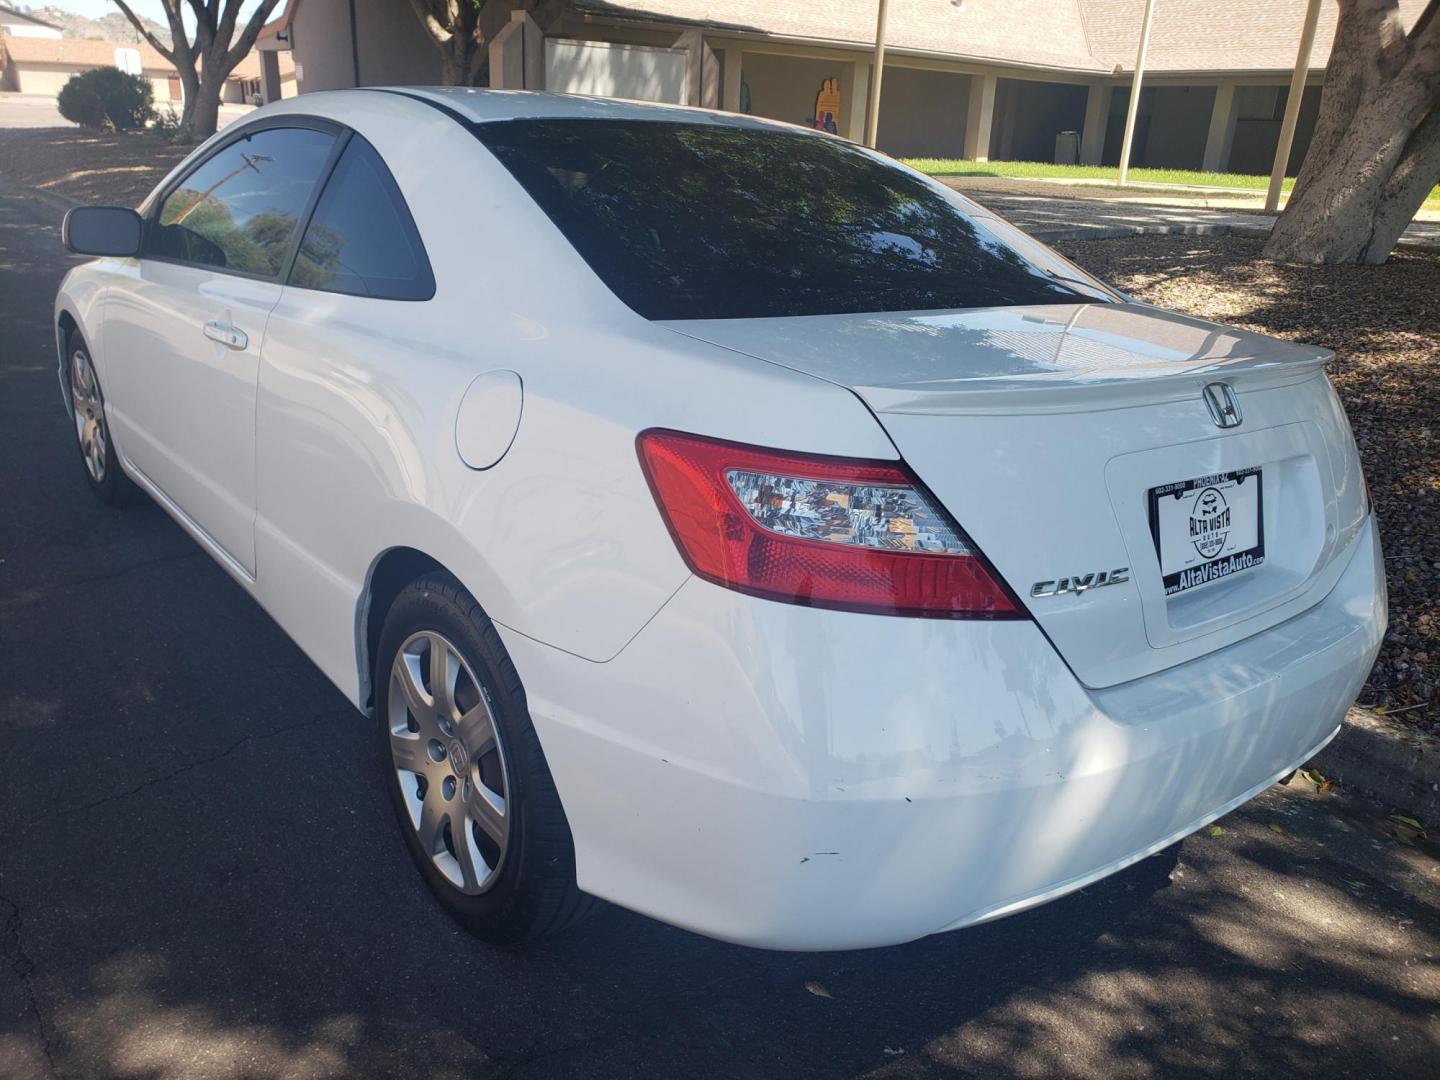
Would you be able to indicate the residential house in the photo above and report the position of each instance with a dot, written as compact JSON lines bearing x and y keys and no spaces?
{"x":20,"y":24}
{"x":42,"y":65}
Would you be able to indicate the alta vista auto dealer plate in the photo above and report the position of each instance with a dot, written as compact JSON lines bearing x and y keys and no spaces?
{"x":1207,"y":528}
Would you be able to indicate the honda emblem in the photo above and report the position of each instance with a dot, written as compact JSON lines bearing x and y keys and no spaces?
{"x":1224,"y":406}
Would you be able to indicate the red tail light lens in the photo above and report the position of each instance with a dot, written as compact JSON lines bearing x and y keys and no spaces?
{"x":819,"y":531}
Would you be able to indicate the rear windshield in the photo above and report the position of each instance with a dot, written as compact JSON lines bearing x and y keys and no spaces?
{"x":702,"y":221}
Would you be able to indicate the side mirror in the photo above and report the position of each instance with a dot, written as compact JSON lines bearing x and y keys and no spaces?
{"x":102,"y":230}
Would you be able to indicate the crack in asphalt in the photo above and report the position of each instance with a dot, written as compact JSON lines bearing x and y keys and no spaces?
{"x":180,"y":770}
{"x":131,"y":568}
{"x":23,"y":967}
{"x":42,"y":592}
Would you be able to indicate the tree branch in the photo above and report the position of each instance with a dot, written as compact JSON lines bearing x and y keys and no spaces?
{"x":168,"y":54}
{"x":204,"y":24}
{"x":258,"y":18}
{"x":425,"y":12}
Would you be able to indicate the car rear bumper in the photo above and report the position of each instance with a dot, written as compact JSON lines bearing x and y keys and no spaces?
{"x":803,"y":779}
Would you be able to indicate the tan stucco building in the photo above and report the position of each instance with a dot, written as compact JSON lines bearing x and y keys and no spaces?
{"x":1001,"y":79}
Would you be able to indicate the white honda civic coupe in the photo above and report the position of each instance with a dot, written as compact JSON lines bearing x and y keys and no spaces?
{"x":718,"y":518}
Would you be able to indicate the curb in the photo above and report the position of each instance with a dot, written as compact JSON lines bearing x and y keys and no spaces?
{"x":1119,"y":232}
{"x":1396,"y":764}
{"x":1186,"y":228}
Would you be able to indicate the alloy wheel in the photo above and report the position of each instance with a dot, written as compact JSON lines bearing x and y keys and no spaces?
{"x":89,"y":415}
{"x":449,"y":761}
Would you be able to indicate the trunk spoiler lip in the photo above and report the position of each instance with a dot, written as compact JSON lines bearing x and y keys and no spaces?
{"x":1257,"y":362}
{"x":1071,"y":394}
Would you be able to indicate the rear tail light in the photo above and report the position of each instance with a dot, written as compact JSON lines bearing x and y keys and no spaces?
{"x":827,"y":532}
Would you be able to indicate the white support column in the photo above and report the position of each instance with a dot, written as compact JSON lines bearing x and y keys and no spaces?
{"x":1134,"y":110}
{"x":1222,"y":130}
{"x":859,"y":102}
{"x":734,"y":66}
{"x":979,"y":116}
{"x":1097,"y":118}
{"x":872,"y":106}
{"x":1292,"y":107}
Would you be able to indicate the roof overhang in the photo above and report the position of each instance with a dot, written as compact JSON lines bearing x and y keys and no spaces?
{"x":834,"y":44}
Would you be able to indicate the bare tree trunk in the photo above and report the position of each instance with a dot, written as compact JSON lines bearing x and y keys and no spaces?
{"x":457,"y":60}
{"x":190,"y":91}
{"x":214,"y":68}
{"x":1364,"y":174}
{"x":215,"y":29}
{"x":1410,"y":183}
{"x":461,"y":30}
{"x":205,"y":116}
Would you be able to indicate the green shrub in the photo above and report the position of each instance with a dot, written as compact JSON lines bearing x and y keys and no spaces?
{"x":106,"y":98}
{"x":166,"y":123}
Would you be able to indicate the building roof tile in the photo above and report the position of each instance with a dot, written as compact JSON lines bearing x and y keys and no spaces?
{"x":1076,"y":35}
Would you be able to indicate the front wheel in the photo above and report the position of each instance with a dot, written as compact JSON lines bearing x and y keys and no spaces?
{"x":466,"y":775}
{"x":92,"y":430}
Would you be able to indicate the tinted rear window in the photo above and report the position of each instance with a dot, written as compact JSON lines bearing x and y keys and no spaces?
{"x":700,"y":221}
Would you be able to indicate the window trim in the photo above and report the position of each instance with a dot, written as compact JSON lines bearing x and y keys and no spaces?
{"x":397,"y":198}
{"x":150,"y":209}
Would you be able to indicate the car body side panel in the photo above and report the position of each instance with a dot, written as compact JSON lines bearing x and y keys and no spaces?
{"x":358,"y":401}
{"x":181,"y":404}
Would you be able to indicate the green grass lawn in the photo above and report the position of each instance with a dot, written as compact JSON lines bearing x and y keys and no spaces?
{"x":1039,"y":170}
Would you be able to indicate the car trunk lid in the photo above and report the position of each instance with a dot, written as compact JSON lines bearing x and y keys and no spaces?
{"x":1044,"y":431}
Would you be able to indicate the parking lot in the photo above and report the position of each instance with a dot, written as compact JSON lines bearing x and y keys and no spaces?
{"x":199,"y":876}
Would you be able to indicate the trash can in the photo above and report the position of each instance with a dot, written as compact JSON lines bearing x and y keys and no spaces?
{"x":1067,"y":148}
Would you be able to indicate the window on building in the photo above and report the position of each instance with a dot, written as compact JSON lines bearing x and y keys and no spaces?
{"x":240,"y":209}
{"x":1260,"y":102}
{"x":362,"y":239}
{"x":707,"y":221}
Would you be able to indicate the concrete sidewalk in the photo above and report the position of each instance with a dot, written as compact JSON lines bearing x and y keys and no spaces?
{"x":1051,"y":219}
{"x":39,"y":111}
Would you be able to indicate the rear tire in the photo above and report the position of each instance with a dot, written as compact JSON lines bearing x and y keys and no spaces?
{"x":472,"y":794}
{"x":101,"y":464}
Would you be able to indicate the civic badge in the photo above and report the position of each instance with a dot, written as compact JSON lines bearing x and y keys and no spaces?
{"x":1224,"y":406}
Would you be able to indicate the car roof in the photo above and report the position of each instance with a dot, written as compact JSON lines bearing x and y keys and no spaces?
{"x":487,"y":106}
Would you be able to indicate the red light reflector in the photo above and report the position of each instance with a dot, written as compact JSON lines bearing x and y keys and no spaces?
{"x":844,"y":533}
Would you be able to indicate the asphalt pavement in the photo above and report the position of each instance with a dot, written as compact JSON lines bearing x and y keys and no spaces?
{"x":200,"y":877}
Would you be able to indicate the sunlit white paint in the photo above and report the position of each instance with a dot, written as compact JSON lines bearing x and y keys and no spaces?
{"x":763,"y":772}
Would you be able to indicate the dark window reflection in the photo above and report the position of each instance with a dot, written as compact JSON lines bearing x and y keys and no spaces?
{"x":696,"y":221}
{"x":362,"y":239}
{"x":239,"y":210}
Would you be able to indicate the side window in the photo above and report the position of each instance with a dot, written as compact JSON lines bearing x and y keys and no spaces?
{"x":361,"y":239}
{"x":241,"y":208}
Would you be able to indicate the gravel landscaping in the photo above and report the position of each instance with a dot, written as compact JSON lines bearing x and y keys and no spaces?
{"x":87,"y":166}
{"x":1383,"y":322}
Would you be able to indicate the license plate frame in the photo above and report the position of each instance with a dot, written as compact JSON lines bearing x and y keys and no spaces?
{"x":1207,"y":528}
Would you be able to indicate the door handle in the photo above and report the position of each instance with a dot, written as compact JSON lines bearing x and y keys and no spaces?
{"x":232,"y":337}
